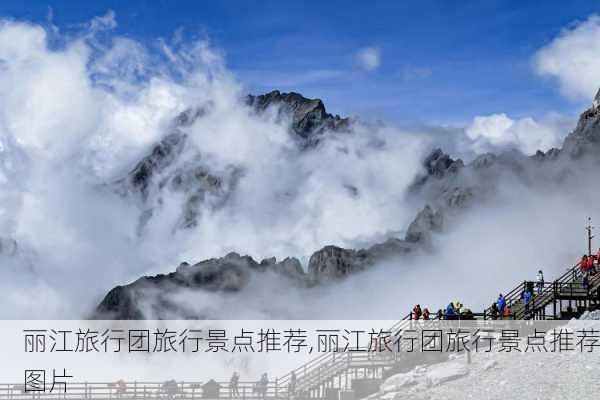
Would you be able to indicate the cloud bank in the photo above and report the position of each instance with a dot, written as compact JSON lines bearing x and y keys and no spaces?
{"x":80,"y":110}
{"x":499,"y":131}
{"x":81,"y":114}
{"x":572,"y":59}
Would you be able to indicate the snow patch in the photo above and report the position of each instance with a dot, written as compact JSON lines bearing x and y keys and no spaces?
{"x":446,"y":372}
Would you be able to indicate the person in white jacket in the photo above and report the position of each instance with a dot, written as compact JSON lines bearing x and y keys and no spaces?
{"x":540,"y":281}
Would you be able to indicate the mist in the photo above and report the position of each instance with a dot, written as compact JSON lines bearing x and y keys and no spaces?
{"x":80,"y":110}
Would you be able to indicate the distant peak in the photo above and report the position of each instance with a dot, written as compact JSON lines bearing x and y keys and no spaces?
{"x":309,"y":116}
{"x":596,"y":101}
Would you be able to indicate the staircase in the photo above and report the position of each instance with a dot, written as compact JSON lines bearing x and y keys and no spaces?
{"x":337,"y":370}
{"x":568,"y":288}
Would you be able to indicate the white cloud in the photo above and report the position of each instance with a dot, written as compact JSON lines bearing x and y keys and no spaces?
{"x":526,"y":134}
{"x":60,"y":130}
{"x":104,"y":22}
{"x":85,"y":113}
{"x":369,"y":58}
{"x":573,"y":59}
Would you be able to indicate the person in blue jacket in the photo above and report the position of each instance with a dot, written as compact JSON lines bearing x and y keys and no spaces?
{"x":501,"y":303}
{"x":526,"y":299}
{"x":450,"y":312}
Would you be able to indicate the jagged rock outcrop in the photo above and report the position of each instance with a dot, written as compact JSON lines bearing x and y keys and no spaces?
{"x":586,"y":136}
{"x":232,"y":273}
{"x":309,"y":118}
{"x":448,"y":183}
{"x":445,"y":182}
{"x":162,"y":156}
{"x":447,"y":186}
{"x":174,"y":165}
{"x":151,"y":295}
{"x":332,"y":262}
{"x":437,"y":165}
{"x":426,"y":222}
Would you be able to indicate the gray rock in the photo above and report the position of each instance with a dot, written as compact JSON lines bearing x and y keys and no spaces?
{"x":426,"y":222}
{"x":392,"y":247}
{"x":447,"y":184}
{"x":231,"y":273}
{"x":332,"y":262}
{"x":161,"y":156}
{"x":437,"y":166}
{"x":585,"y":139}
{"x":482,"y":161}
{"x":309,"y":118}
{"x":173,"y":165}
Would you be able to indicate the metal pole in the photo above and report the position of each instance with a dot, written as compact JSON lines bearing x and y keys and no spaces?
{"x":590,"y":236}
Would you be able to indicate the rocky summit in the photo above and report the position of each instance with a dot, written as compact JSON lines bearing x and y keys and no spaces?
{"x":173,"y":165}
{"x":309,"y":118}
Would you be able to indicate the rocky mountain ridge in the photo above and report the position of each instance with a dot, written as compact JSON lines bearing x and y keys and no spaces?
{"x":447,"y":186}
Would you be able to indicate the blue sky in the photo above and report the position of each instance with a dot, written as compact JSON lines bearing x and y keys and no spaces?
{"x":441,"y":61}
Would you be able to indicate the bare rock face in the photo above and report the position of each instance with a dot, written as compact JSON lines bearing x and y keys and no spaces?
{"x":174,"y":165}
{"x":231,"y":273}
{"x":586,"y":136}
{"x":426,"y":222}
{"x":309,"y":118}
{"x":439,"y":164}
{"x":332,"y":262}
{"x":447,"y":186}
{"x":160,"y":158}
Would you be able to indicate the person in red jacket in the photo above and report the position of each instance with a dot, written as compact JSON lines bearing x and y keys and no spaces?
{"x":426,"y":314}
{"x":583,"y":264}
{"x":121,"y":388}
{"x":417,"y":312}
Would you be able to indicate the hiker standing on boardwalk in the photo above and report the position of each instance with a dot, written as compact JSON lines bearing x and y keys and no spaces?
{"x":501,"y":303}
{"x":584,"y":264}
{"x":233,"y":385}
{"x":526,"y":296}
{"x":540,"y":281}
{"x":494,"y":312}
{"x":262,"y":384}
{"x":417,"y":312}
{"x":426,"y":314}
{"x":450,"y":311}
{"x":292,"y":385}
